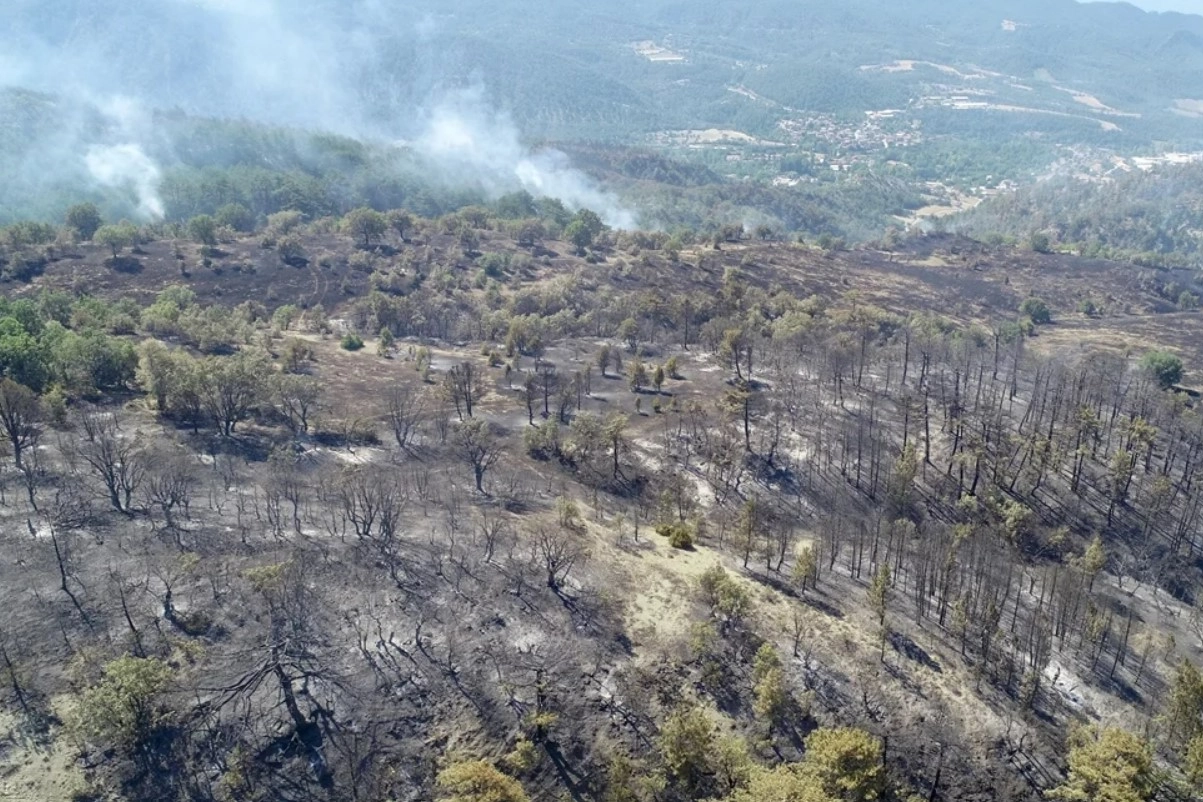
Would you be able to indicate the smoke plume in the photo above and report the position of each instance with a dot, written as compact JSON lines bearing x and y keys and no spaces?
{"x":127,"y":167}
{"x":472,"y":144}
{"x":360,"y":68}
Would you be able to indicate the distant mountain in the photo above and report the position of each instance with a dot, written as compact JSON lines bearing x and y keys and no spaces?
{"x":1163,"y":6}
{"x":613,"y":70}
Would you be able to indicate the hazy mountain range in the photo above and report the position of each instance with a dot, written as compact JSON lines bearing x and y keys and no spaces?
{"x":1180,"y":6}
{"x":621,"y":68}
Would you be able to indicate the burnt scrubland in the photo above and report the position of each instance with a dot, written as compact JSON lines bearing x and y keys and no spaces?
{"x":369,"y":464}
{"x":382,"y":507}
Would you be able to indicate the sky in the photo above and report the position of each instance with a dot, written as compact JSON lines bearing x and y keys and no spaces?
{"x":1185,"y":6}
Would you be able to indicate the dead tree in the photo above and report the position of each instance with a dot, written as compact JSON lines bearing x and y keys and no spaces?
{"x":556,"y":552}
{"x":169,"y":486}
{"x":463,"y":385}
{"x":296,"y":398}
{"x":116,"y":460}
{"x":406,"y":408}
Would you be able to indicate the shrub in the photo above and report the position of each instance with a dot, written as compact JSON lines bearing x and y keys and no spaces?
{"x":203,"y":229}
{"x":673,"y":367}
{"x":84,"y":220}
{"x":494,"y":264}
{"x":284,"y":222}
{"x":680,"y":535}
{"x":351,"y":342}
{"x":477,"y":781}
{"x":122,"y":708}
{"x":291,"y":250}
{"x":523,"y":757}
{"x":1036,"y":310}
{"x":387,"y":342}
{"x":1165,"y":367}
{"x":55,"y":400}
{"x":361,"y":262}
{"x":569,"y":514}
{"x":543,"y":441}
{"x":681,"y":538}
{"x":235,"y":216}
{"x":727,"y":598}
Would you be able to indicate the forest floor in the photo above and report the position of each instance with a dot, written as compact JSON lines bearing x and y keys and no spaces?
{"x":32,"y":768}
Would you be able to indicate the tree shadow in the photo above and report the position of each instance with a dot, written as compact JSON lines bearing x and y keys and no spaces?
{"x":381,"y":248}
{"x":305,"y":743}
{"x":786,"y":587}
{"x":823,"y":606}
{"x":249,"y":449}
{"x":125,"y":264}
{"x":905,"y":680}
{"x":905,"y":646}
{"x":573,"y":781}
{"x":797,"y":726}
{"x":1118,"y":686}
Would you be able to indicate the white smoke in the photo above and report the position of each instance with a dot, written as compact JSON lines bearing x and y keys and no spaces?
{"x":128,"y":168}
{"x":122,"y":163}
{"x":473,"y":144}
{"x":312,"y":66}
{"x":128,"y":116}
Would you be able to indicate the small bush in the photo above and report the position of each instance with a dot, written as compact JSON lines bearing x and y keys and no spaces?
{"x":361,"y":262}
{"x":494,"y":264}
{"x":236,"y":216}
{"x":290,"y":249}
{"x":1036,"y":310}
{"x":681,"y":539}
{"x":680,"y":535}
{"x":523,"y":758}
{"x":1164,"y":367}
{"x":673,"y":367}
{"x":543,"y":441}
{"x":55,"y":401}
{"x":123,"y":708}
{"x":351,"y":342}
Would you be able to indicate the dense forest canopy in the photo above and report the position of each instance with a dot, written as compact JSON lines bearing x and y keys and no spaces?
{"x":806,"y":54}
